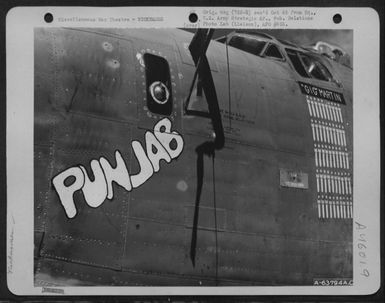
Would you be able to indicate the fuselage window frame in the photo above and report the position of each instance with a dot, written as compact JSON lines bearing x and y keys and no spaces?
{"x":158,"y":85}
{"x":304,"y":70}
{"x":268,"y":47}
{"x":257,"y":52}
{"x":297,"y":63}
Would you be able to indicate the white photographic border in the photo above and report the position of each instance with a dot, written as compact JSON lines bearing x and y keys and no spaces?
{"x":20,"y":25}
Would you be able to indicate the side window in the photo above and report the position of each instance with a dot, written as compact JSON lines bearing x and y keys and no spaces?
{"x":272,"y":51}
{"x":296,"y":61}
{"x":315,"y":68}
{"x":158,"y":84}
{"x":308,"y":66}
{"x":250,"y":45}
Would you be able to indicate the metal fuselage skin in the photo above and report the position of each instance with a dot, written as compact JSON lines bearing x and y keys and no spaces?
{"x":90,"y":101}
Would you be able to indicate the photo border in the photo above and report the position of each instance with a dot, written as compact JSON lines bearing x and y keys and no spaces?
{"x":354,"y":124}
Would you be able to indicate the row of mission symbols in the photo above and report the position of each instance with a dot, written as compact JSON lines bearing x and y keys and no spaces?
{"x":334,"y":184}
{"x":328,"y":133}
{"x":331,"y":158}
{"x":325,"y":110}
{"x":329,"y":208}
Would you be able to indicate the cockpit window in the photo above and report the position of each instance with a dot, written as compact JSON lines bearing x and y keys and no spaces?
{"x":296,"y":61}
{"x":315,"y":68}
{"x":309,"y":66}
{"x":250,"y":45}
{"x":272,"y":51}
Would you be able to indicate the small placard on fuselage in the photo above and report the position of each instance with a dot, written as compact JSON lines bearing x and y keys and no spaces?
{"x":315,"y":91}
{"x":293,"y":179}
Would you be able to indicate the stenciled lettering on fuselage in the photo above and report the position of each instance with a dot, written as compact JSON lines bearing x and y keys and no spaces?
{"x":168,"y":145}
{"x":315,"y":91}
